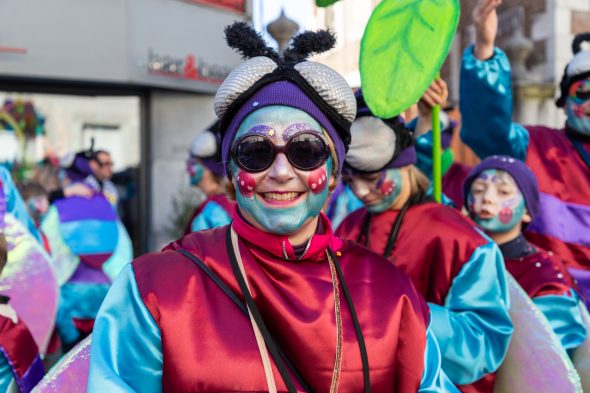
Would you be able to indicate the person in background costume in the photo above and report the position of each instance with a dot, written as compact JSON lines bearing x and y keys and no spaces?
{"x":560,"y":159}
{"x":324,"y":315}
{"x":89,"y":246}
{"x":15,"y":204}
{"x":459,"y":272}
{"x":501,"y":195}
{"x":205,"y":170}
{"x":36,"y":199}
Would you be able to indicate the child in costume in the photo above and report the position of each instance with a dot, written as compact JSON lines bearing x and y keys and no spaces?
{"x":560,"y":159}
{"x":205,"y":170}
{"x":89,"y":246}
{"x":320,"y":314}
{"x":458,"y":271}
{"x":501,"y":195}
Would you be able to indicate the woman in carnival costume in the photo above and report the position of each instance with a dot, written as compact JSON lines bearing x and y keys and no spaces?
{"x":320,"y":314}
{"x":502,"y":195}
{"x":458,"y":271}
{"x":206,"y":171}
{"x":560,"y":159}
{"x":89,"y":247}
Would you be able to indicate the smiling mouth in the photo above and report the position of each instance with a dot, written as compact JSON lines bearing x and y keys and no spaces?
{"x":281,"y":198}
{"x":485,"y":215}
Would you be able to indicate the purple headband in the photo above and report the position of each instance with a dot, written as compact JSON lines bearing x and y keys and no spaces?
{"x":280,"y":93}
{"x":405,"y":157}
{"x":213,"y":164}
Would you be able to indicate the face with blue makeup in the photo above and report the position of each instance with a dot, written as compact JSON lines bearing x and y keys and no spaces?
{"x":496,"y":203}
{"x":380,"y":191}
{"x":577,"y":106}
{"x":195,"y":170}
{"x":281,"y":199}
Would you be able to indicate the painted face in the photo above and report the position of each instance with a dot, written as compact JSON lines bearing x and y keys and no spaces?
{"x":282,"y":198}
{"x":577,"y":106}
{"x":195,"y":170}
{"x":38,"y":206}
{"x":378,"y":191}
{"x":495,"y":202}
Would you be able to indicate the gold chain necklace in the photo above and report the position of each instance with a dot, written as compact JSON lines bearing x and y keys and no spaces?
{"x":337,"y":310}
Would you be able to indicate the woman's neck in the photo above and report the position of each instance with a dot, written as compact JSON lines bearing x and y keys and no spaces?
{"x":307,"y":230}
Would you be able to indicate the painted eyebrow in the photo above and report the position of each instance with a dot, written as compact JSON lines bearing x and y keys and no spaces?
{"x":295,"y":128}
{"x":260,"y":129}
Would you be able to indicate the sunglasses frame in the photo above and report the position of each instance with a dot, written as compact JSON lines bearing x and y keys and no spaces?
{"x":281,"y":149}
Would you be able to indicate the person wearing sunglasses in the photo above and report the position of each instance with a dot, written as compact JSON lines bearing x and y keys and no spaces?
{"x":206,"y":171}
{"x":559,"y":158}
{"x":272,"y":302}
{"x":458,"y":271}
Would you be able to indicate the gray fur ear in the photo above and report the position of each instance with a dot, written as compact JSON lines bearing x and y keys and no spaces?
{"x":204,"y":145}
{"x":240,"y":80}
{"x":372,"y":144}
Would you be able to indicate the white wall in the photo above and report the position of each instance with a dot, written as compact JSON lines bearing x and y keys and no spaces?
{"x":176,"y":119}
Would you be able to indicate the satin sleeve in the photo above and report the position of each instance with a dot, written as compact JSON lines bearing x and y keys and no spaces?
{"x":434,"y":380}
{"x":563,"y":314}
{"x":16,"y":205}
{"x":485,"y":101}
{"x":5,"y":374}
{"x":122,"y":255}
{"x":212,"y":216}
{"x":473,"y":327}
{"x":126,"y":352}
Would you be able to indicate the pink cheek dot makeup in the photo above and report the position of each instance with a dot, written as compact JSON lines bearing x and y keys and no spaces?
{"x":387,"y":187}
{"x":317,"y":180}
{"x":505,"y":215}
{"x":246,"y":184}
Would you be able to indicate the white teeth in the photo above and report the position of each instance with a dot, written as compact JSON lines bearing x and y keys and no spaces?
{"x":287,"y":196}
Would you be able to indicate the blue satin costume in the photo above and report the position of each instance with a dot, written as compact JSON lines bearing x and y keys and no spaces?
{"x":15,"y":204}
{"x":486,"y":107}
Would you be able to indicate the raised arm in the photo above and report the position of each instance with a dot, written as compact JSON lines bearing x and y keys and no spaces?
{"x":486,"y":92}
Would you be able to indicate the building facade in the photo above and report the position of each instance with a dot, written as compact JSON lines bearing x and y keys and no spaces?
{"x":138,"y":76}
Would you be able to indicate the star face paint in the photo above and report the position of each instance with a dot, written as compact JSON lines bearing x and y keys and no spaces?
{"x":495,"y":202}
{"x":196,"y":171}
{"x":280,"y":199}
{"x":378,"y":191}
{"x":577,"y":106}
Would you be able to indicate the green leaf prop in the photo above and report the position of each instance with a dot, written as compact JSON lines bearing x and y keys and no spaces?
{"x":325,"y":3}
{"x":403,"y":47}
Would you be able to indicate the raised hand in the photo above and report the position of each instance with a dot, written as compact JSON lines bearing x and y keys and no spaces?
{"x":436,"y":94}
{"x":485,"y":19}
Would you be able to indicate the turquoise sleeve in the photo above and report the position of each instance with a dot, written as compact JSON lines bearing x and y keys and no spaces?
{"x":5,"y":374}
{"x":122,"y":255}
{"x":563,"y":314}
{"x":126,"y":353}
{"x":212,"y":216}
{"x":434,"y":380}
{"x":473,"y":327}
{"x":485,"y":101}
{"x":16,"y":205}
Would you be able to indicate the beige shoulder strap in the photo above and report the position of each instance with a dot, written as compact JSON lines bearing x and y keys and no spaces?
{"x":270,"y":380}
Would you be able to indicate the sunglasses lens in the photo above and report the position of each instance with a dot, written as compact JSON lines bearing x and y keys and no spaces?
{"x":254,"y":153}
{"x":307,"y":151}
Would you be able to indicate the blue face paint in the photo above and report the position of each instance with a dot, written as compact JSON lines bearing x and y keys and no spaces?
{"x":494,"y":202}
{"x":576,"y":106}
{"x":281,"y":177}
{"x":196,"y":173}
{"x":387,"y":189}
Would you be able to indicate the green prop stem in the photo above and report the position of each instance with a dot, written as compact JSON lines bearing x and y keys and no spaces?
{"x":436,"y":153}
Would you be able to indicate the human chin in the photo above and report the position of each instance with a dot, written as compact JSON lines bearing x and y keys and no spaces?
{"x":284,"y":216}
{"x":576,"y":117}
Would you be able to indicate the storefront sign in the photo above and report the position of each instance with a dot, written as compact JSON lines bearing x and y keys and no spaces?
{"x":233,"y":5}
{"x":189,"y":68}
